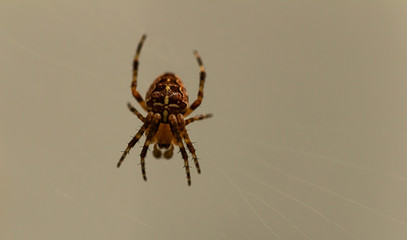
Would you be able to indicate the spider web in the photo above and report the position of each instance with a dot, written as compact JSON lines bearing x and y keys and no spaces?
{"x":306,"y":142}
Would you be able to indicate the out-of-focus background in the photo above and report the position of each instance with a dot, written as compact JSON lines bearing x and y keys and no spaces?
{"x":308,"y":138}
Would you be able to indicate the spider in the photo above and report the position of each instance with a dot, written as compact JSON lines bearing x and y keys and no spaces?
{"x":167,"y":106}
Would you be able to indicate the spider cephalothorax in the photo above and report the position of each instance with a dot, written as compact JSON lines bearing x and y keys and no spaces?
{"x":167,"y":105}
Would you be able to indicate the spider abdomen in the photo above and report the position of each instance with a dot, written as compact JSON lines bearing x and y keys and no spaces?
{"x":167,"y":95}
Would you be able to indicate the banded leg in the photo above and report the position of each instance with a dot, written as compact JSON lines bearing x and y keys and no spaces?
{"x":137,"y":113}
{"x":134,"y":91}
{"x":177,"y":133}
{"x":151,"y":132}
{"x":135,"y":139}
{"x":187,"y":140}
{"x":196,"y":118}
{"x":202,"y":76}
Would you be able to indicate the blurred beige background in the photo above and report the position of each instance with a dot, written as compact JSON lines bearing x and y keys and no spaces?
{"x":307,"y":140}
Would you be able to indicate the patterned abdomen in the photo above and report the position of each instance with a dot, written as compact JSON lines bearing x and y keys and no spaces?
{"x":167,"y":95}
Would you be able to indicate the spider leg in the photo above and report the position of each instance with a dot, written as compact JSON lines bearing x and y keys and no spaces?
{"x":135,"y":139}
{"x":137,"y":113}
{"x":151,"y":132}
{"x":177,"y":133}
{"x":187,"y":140}
{"x":199,"y":117}
{"x":202,"y":76}
{"x":134,"y":91}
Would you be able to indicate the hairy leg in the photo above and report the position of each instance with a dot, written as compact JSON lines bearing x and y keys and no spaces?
{"x":188,"y":142}
{"x":135,"y":139}
{"x":134,"y":110}
{"x":177,"y":134}
{"x":202,"y":76}
{"x":151,"y":132}
{"x":134,"y":91}
{"x":196,"y":118}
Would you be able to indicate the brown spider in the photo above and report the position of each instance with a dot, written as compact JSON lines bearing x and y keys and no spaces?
{"x":167,"y":106}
